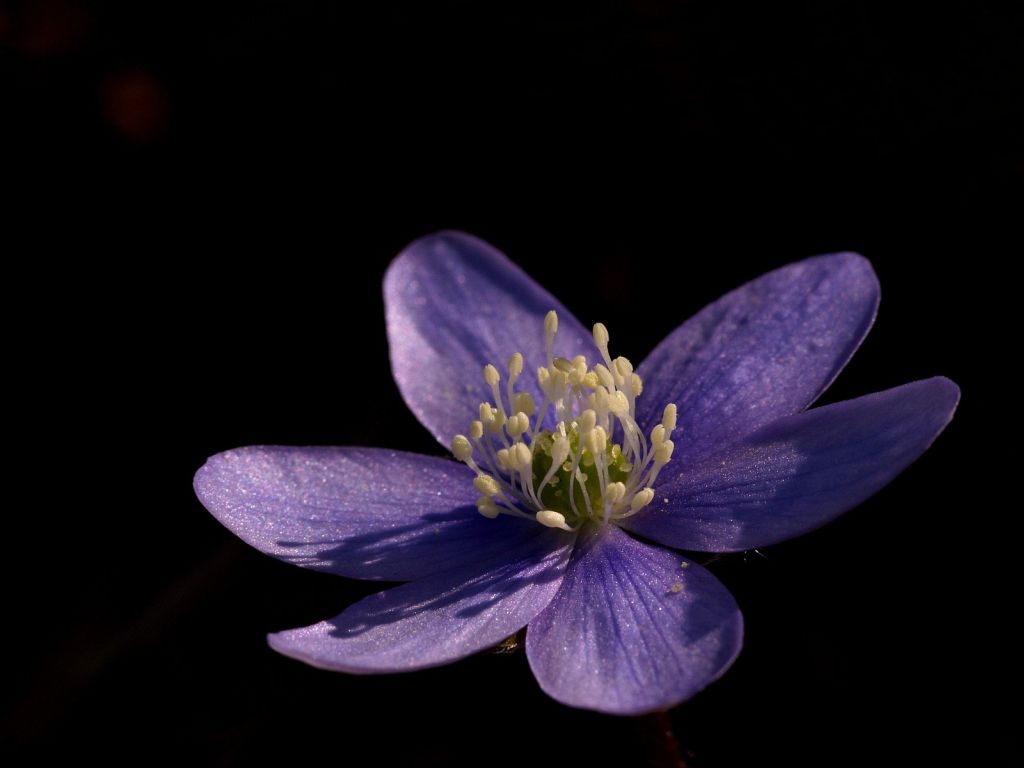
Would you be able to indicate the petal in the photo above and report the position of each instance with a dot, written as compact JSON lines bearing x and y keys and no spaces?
{"x":438,"y":619}
{"x":798,"y":473}
{"x":766,"y":350}
{"x":454,"y":304}
{"x":366,"y":513}
{"x":633,"y":629}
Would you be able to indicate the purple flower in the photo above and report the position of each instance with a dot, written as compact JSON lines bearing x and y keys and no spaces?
{"x":568,"y":476}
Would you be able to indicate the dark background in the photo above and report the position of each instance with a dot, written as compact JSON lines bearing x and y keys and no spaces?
{"x":211,"y":196}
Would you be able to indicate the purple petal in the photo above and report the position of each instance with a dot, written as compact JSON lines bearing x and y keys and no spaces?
{"x":798,"y":473}
{"x":366,"y":513}
{"x":440,"y":618}
{"x":633,"y":629}
{"x":766,"y":350}
{"x":454,"y":304}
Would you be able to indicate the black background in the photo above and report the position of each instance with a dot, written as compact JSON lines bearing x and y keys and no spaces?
{"x":213,"y":194}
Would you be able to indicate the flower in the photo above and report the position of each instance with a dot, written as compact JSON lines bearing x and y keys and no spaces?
{"x":539,"y":524}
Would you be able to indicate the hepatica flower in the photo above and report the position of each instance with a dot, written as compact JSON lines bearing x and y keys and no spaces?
{"x":578,"y":476}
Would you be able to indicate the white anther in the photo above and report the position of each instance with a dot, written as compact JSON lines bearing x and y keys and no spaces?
{"x":462,"y":448}
{"x":515,"y":365}
{"x":504,"y":458}
{"x":552,"y":519}
{"x":587,"y":420}
{"x":476,"y":430}
{"x":550,"y":329}
{"x":524,"y":421}
{"x":487,"y":508}
{"x":668,"y":418}
{"x":613,"y":494}
{"x":496,"y":423}
{"x":623,"y":370}
{"x":636,"y":384}
{"x":601,"y":399}
{"x":522,"y":402}
{"x":559,"y":450}
{"x":658,"y":435}
{"x":618,"y":404}
{"x":605,"y":376}
{"x":551,"y":323}
{"x":596,"y":441}
{"x":521,"y":456}
{"x":663,"y":452}
{"x":491,"y":375}
{"x":486,"y":485}
{"x":517,"y":424}
{"x":641,"y":499}
{"x":487,"y":414}
{"x":590,"y":380}
{"x":600,"y":335}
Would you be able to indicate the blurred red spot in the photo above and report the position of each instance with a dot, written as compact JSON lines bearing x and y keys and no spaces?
{"x":135,"y":105}
{"x":45,"y":27}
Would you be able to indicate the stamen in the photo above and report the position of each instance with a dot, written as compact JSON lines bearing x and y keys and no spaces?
{"x":515,"y":367}
{"x":636,"y":385}
{"x":486,"y":485}
{"x":503,"y":459}
{"x":462,"y":448}
{"x":661,"y":456}
{"x":612,"y":495}
{"x":516,"y":425}
{"x":596,"y":452}
{"x":587,"y":420}
{"x":618,"y":404}
{"x":658,"y":435}
{"x":601,"y":340}
{"x":521,"y":456}
{"x":663,"y":452}
{"x":641,"y":500}
{"x":487,"y":507}
{"x":668,"y":418}
{"x":492,"y":378}
{"x":623,"y":371}
{"x":552,"y":519}
{"x":559,"y":453}
{"x":550,"y":329}
{"x":596,"y":439}
{"x":522,"y":402}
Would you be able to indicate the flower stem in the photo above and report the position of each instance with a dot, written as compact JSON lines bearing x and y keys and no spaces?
{"x":660,"y":742}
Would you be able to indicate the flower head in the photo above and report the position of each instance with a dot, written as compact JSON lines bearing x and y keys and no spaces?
{"x":564,"y":455}
{"x":574,"y":472}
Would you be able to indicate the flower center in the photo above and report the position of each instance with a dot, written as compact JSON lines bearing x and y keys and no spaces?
{"x":595,"y":464}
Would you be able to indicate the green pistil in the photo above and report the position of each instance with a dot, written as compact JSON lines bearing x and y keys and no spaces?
{"x":556,"y":493}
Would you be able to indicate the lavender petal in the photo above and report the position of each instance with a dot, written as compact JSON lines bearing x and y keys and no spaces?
{"x":633,"y":628}
{"x":797,"y":473}
{"x":365,"y":513}
{"x":440,"y":618}
{"x":767,"y":349}
{"x":453,"y":304}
